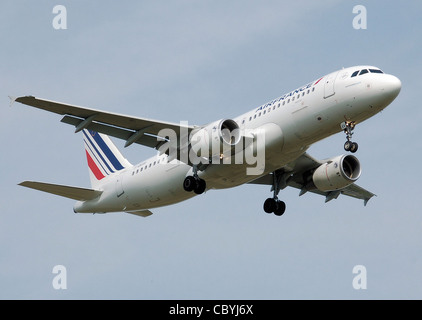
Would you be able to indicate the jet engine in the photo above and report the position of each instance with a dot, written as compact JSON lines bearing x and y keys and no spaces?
{"x":216,"y":138}
{"x":337,"y":173}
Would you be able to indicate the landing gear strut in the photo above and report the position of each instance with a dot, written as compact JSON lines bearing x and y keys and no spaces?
{"x":194,"y":183}
{"x":274,"y":205}
{"x":348,"y":127}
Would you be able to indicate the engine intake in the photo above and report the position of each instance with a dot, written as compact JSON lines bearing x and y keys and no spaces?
{"x":216,"y":138}
{"x":337,"y":173}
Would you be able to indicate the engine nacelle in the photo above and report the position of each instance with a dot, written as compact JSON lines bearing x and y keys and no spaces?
{"x":337,"y":173}
{"x":216,"y":138}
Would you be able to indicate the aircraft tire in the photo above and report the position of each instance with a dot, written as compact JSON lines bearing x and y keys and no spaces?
{"x":280,"y":208}
{"x":200,"y":186}
{"x":189,"y":183}
{"x":270,"y":205}
{"x":348,"y":145}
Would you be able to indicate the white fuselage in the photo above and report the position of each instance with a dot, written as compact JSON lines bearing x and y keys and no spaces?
{"x":291,"y":124}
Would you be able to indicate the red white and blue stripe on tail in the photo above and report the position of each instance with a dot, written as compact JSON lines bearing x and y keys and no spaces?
{"x":102,"y":155}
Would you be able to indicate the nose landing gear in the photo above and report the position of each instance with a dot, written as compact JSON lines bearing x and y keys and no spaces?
{"x":348,"y":127}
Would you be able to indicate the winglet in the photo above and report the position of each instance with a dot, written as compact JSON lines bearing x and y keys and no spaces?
{"x":12,"y":100}
{"x":365,"y":201}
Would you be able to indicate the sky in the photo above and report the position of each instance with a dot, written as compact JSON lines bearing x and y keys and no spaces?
{"x":199,"y":61}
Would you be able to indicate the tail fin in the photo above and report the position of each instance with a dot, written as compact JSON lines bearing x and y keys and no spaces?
{"x":103,"y":156}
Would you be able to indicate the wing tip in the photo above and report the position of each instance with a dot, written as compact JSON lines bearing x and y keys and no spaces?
{"x":365,"y":201}
{"x":12,"y":100}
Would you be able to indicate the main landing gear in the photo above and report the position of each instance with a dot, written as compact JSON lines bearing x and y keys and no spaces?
{"x":274,"y":205}
{"x":348,"y":127}
{"x":194,"y":183}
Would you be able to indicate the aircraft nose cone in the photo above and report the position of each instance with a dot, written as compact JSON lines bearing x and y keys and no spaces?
{"x":391,"y":86}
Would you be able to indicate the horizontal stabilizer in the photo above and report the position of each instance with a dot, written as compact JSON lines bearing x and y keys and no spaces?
{"x":142,"y":213}
{"x":75,"y":193}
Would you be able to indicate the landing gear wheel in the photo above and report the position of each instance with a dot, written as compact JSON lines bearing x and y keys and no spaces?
{"x":270,"y":205}
{"x":189,"y":183}
{"x":200,"y":186}
{"x":280,"y":208}
{"x":348,"y":145}
{"x":197,"y":185}
{"x":351,"y":146}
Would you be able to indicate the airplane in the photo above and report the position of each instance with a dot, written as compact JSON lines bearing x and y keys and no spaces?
{"x":266,"y":145}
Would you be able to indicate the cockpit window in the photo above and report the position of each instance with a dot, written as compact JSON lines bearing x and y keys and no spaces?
{"x":375,"y":71}
{"x":354,"y":74}
{"x":363,"y":72}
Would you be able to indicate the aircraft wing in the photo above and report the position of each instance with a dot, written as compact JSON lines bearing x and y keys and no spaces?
{"x":296,"y":175}
{"x":132,"y":129}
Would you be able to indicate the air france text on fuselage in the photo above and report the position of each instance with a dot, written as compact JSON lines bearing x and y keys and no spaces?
{"x":287,"y":95}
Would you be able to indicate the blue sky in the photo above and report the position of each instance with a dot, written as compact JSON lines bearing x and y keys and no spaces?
{"x":199,"y":61}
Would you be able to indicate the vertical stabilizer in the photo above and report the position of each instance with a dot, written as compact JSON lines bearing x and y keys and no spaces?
{"x":103,"y":157}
